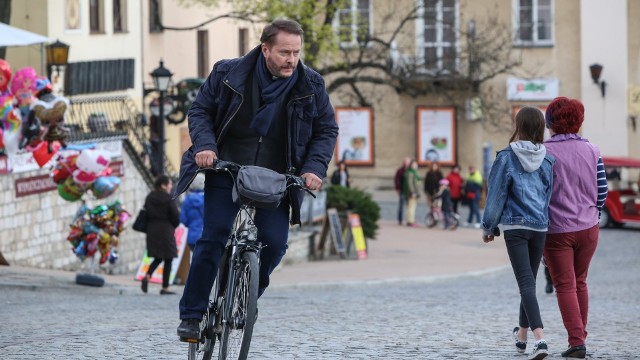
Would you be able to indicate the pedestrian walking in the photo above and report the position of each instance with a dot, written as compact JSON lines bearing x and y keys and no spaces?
{"x":265,"y":109}
{"x":162,"y":219}
{"x":547,"y":275}
{"x":398,"y":182}
{"x":455,"y":187}
{"x":411,"y":190}
{"x":192,"y":211}
{"x":579,"y":192}
{"x":519,"y":189}
{"x":432,"y":182}
{"x":341,"y":176}
{"x":472,"y":193}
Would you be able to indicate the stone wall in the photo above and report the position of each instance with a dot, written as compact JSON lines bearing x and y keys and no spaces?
{"x":34,"y":228}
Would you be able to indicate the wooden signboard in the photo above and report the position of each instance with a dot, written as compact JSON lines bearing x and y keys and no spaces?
{"x":332,"y":228}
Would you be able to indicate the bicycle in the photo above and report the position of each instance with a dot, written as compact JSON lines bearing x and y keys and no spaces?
{"x":232,"y":310}
{"x":436,"y":215}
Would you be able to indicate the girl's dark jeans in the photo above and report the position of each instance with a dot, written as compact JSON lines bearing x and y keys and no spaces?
{"x":525,"y":248}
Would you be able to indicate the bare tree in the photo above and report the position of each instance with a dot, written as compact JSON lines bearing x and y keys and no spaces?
{"x":388,"y":56}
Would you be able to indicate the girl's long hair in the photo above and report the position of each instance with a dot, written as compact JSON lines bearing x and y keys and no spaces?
{"x":529,"y":125}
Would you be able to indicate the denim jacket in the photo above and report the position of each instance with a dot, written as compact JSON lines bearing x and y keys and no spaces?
{"x":519,"y":189}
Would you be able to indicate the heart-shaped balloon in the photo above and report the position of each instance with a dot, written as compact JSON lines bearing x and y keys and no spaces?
{"x":41,"y":153}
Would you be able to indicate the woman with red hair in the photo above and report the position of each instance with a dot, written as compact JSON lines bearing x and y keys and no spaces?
{"x":579,"y":192}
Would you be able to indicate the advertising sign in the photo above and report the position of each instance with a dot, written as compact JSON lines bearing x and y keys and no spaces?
{"x":435,"y":135}
{"x":357,"y":236}
{"x":532,"y":89}
{"x":355,"y":142}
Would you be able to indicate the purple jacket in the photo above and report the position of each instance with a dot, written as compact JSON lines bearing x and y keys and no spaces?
{"x":575,"y":189}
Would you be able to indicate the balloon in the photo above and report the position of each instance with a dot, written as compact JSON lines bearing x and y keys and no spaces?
{"x":24,"y":85}
{"x":41,"y":153}
{"x":11,"y":141}
{"x":71,"y":191}
{"x":105,"y":186}
{"x":5,"y":76}
{"x":75,"y":233}
{"x":90,"y":164}
{"x":63,"y":169}
{"x":81,"y":250}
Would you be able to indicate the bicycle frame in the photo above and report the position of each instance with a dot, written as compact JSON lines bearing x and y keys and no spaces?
{"x":243,"y":238}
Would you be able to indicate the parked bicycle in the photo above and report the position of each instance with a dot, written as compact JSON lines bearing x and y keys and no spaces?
{"x":232,"y":310}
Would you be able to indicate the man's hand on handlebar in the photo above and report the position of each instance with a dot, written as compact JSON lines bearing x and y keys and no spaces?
{"x":206,"y":158}
{"x":311,"y":181}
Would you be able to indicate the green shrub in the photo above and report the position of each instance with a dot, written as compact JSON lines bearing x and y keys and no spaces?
{"x":357,"y":201}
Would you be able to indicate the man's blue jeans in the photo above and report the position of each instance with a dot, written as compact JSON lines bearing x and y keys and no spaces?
{"x":219,"y":215}
{"x":402,"y":203}
{"x":474,"y":210}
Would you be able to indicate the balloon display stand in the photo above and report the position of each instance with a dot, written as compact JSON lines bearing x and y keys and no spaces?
{"x":90,"y":278}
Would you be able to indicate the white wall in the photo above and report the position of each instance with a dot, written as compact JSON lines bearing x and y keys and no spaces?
{"x":85,"y":46}
{"x":604,"y":41}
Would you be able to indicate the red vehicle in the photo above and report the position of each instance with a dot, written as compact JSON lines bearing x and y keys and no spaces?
{"x":623,"y":202}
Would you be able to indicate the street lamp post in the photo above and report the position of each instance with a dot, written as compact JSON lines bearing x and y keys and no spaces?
{"x":58,"y":57}
{"x":161,"y":78}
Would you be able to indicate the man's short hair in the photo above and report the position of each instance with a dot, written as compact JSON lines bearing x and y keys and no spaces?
{"x":270,"y":31}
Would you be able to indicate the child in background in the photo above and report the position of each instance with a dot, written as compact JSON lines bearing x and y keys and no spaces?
{"x":442,"y":207}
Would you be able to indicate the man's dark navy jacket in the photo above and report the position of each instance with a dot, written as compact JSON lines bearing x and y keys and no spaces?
{"x":311,"y":124}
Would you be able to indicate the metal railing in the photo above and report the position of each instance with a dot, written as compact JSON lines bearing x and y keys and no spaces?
{"x":105,"y":118}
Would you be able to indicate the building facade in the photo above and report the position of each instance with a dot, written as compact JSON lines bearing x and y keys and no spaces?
{"x":554,"y":42}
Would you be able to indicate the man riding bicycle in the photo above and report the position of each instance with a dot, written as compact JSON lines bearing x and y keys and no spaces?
{"x":266,"y":109}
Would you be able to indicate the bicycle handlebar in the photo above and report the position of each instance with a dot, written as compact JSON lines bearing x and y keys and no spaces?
{"x":292,"y":180}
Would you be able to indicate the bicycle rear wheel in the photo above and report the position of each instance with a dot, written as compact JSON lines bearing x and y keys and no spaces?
{"x":241,"y":309}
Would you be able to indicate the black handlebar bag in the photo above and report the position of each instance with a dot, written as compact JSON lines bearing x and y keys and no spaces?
{"x":259,"y":187}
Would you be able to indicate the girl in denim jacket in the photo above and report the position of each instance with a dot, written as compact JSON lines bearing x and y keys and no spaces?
{"x":519,"y":190}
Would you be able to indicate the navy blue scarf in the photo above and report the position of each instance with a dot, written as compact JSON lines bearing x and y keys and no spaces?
{"x":272,"y":92}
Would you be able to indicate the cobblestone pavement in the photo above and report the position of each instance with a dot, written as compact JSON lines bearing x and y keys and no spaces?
{"x":467,"y":317}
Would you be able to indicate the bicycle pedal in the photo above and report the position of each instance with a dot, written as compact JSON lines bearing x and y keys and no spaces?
{"x":189,"y":340}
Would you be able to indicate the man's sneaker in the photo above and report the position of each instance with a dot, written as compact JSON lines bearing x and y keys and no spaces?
{"x":521,"y":346}
{"x":540,"y":350}
{"x":189,"y":329}
{"x":578,"y":352}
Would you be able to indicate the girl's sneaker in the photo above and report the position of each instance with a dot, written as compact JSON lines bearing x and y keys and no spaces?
{"x":540,"y":351}
{"x":521,"y":346}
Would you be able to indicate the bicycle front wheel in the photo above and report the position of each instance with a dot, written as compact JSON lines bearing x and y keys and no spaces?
{"x":241,"y":310}
{"x":203,"y":350}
